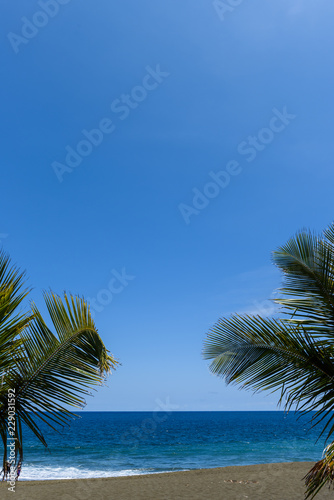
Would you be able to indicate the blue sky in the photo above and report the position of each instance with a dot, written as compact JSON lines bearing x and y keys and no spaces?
{"x":215,"y":147}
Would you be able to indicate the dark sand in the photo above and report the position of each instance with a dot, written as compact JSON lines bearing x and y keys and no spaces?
{"x":254,"y":482}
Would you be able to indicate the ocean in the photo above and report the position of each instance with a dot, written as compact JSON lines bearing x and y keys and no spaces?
{"x":103,"y":444}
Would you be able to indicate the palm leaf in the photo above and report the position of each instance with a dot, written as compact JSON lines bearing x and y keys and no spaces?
{"x":322,"y":473}
{"x":55,"y":371}
{"x":262,"y":353}
{"x":294,"y":354}
{"x":11,"y":322}
{"x":307,"y":265}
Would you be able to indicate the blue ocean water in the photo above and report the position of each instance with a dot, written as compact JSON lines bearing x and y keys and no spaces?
{"x":102,"y":444}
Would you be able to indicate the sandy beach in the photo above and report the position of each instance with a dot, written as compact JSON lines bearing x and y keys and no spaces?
{"x":254,"y":482}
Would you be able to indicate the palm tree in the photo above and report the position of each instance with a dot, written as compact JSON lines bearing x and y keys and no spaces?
{"x":294,"y":353}
{"x":43,"y":373}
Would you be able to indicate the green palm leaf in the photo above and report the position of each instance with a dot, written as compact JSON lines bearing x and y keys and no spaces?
{"x":294,"y":354}
{"x":307,"y":265}
{"x":11,"y":322}
{"x":47,"y":372}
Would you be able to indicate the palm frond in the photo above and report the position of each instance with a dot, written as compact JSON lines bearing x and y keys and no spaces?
{"x":294,"y":354}
{"x":262,"y":353}
{"x":322,"y":473}
{"x":307,"y":265}
{"x":11,"y":322}
{"x":329,"y":234}
{"x":55,"y":371}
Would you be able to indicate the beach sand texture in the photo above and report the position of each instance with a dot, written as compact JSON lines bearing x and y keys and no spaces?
{"x":252,"y":482}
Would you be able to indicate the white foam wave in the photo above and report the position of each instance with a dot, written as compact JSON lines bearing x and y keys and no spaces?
{"x":34,"y":473}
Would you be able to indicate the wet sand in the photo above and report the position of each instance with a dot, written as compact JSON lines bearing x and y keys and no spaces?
{"x":252,"y":482}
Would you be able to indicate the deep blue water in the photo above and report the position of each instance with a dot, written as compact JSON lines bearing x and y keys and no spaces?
{"x":101,"y":444}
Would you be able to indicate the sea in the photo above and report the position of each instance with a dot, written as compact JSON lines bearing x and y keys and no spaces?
{"x":105,"y":444}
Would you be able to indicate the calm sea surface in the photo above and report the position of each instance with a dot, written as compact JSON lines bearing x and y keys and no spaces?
{"x":102,"y":444}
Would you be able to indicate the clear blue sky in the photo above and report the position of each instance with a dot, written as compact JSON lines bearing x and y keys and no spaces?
{"x":191,"y":98}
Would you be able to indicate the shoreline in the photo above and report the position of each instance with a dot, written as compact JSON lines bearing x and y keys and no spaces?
{"x":275,"y":481}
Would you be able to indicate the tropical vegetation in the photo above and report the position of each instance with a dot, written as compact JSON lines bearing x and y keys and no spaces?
{"x":43,"y":373}
{"x":293,"y":353}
